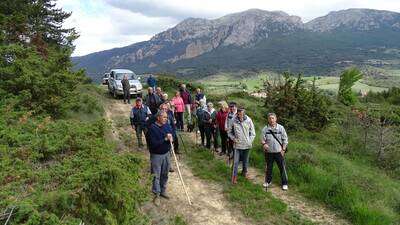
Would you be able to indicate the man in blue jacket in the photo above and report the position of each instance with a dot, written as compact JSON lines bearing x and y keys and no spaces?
{"x":139,"y":115}
{"x":160,"y":138}
{"x":152,"y":82}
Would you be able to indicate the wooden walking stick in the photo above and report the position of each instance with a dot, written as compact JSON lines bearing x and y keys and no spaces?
{"x":180,"y":174}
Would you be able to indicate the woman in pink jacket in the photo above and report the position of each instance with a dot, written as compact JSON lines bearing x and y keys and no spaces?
{"x":177,"y":101}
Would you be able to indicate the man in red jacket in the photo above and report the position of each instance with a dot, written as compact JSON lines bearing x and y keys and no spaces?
{"x":221,"y":118}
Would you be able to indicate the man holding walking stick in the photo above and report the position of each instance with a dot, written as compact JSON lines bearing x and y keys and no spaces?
{"x":160,"y":139}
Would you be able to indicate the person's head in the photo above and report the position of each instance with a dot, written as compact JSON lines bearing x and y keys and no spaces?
{"x":125,"y":77}
{"x":165,"y":96}
{"x":223,"y":106}
{"x":202,"y":103}
{"x":198,"y":90}
{"x":150,"y":90}
{"x":240,"y":113}
{"x":232,"y":106}
{"x":210,"y":106}
{"x":162,"y":117}
{"x":151,"y":75}
{"x":272,"y":119}
{"x":158,"y":90}
{"x":138,"y":102}
{"x":164,"y":107}
{"x":183,"y":86}
{"x":177,"y":94}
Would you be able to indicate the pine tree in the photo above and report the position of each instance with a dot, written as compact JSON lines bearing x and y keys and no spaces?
{"x":35,"y":66}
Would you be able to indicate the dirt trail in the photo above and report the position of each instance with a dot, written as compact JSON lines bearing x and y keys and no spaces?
{"x":209,"y":205}
{"x":315,"y":212}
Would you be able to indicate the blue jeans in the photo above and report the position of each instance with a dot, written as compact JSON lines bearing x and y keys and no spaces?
{"x":243,"y":155}
{"x":159,"y":169}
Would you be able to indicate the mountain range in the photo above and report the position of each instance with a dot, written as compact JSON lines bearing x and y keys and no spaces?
{"x":260,"y":40}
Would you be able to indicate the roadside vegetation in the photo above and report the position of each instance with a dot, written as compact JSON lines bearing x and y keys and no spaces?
{"x":56,"y":165}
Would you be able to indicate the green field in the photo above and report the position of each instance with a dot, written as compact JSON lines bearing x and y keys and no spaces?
{"x":225,"y":82}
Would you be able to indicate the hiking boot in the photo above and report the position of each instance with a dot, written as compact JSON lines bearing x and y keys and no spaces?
{"x":164,"y":195}
{"x":284,"y":187}
{"x":266,"y":185}
{"x":234,"y":180}
{"x":156,"y":200}
{"x":246,"y":175}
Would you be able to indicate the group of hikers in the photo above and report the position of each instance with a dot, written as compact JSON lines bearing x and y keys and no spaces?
{"x":161,"y":119}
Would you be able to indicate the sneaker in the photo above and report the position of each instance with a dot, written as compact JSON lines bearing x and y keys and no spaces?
{"x":156,"y":200}
{"x":265,"y":184}
{"x":164,"y":195}
{"x":284,"y":187}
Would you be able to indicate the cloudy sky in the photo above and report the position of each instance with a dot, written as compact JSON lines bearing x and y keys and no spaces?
{"x":105,"y":24}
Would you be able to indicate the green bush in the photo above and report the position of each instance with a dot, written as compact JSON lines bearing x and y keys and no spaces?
{"x":296,"y":105}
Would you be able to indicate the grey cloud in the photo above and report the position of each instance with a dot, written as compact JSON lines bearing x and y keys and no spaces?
{"x":156,"y":9}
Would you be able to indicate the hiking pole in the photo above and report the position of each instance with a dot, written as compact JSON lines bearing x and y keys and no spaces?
{"x":233,"y":164}
{"x":180,"y":174}
{"x":195,"y":139}
{"x":9,"y":215}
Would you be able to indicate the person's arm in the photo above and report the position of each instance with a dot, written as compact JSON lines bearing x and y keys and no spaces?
{"x":148,"y":112}
{"x":231,"y":132}
{"x":263,"y":139}
{"x":252,"y":131}
{"x":264,"y":143}
{"x":226,"y":123}
{"x":190,"y":98}
{"x":131,"y":118}
{"x":284,"y":138}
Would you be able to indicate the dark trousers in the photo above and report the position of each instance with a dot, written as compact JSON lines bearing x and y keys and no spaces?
{"x":140,"y":128}
{"x":176,"y":144}
{"x":224,"y":140}
{"x":160,"y":165}
{"x":179,"y":120}
{"x":127,"y":96}
{"x":280,"y":161}
{"x":211,"y":133}
{"x":202,"y":133}
{"x":230,"y":146}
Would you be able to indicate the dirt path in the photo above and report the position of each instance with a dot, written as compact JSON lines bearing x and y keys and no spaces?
{"x":209,"y":205}
{"x":315,"y":212}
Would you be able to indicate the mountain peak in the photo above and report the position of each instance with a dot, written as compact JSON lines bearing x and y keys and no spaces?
{"x":357,"y":19}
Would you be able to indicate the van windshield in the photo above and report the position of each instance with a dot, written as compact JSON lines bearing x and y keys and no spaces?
{"x":120,"y":76}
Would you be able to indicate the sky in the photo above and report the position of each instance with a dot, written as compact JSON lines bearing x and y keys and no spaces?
{"x":106,"y":24}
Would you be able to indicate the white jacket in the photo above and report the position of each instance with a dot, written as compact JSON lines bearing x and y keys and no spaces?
{"x":243,"y":132}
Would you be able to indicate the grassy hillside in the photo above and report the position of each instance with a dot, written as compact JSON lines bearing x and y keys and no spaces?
{"x":64,"y":171}
{"x":322,"y":169}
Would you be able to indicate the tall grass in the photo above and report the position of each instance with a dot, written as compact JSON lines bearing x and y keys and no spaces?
{"x":361,"y":191}
{"x":250,"y":198}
